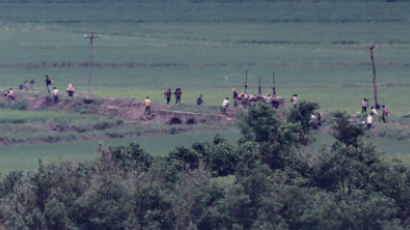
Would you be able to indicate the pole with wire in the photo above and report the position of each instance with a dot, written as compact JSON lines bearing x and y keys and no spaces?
{"x":90,"y":63}
{"x":371,"y":48}
{"x":260,"y":87}
{"x":273,"y":85}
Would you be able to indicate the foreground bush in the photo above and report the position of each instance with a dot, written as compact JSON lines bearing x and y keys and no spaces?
{"x":261,"y":183}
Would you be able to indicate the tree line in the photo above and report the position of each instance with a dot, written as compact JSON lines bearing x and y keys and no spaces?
{"x":263,"y":182}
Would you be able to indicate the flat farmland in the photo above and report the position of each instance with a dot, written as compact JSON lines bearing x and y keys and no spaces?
{"x":316,"y":49}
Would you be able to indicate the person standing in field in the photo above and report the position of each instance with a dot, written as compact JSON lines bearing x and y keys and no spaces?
{"x":365,"y":104}
{"x":225,"y":105}
{"x":200,"y":100}
{"x":369,"y":121}
{"x":48,"y":83}
{"x":235,"y":97}
{"x":373,"y":111}
{"x":385,"y":113}
{"x":55,"y":94}
{"x":147,"y":103}
{"x":178,"y":94}
{"x":167,"y":95}
{"x":70,"y":90}
{"x":294,"y":100}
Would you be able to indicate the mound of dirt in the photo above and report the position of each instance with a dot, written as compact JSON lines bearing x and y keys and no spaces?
{"x":130,"y":110}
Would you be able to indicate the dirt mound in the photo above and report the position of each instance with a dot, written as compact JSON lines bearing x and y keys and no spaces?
{"x":130,"y":110}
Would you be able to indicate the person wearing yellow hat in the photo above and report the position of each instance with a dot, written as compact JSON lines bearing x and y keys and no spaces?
{"x":70,"y":90}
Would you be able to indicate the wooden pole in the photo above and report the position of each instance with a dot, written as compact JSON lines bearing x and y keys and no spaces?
{"x":273,"y":85}
{"x":246,"y":81}
{"x":260,"y":87}
{"x":90,"y":63}
{"x":376,"y":104}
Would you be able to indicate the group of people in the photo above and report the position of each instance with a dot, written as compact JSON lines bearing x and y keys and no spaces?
{"x":245,"y":99}
{"x":238,"y":98}
{"x":177,"y":93}
{"x":55,"y":92}
{"x":373,"y":112}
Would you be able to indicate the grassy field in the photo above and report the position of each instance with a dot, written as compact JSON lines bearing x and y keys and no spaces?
{"x":26,"y":157}
{"x":316,"y":49}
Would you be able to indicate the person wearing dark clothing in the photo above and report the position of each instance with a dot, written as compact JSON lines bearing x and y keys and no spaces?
{"x":235,"y":97}
{"x":178,"y":94}
{"x":319,"y":119}
{"x":48,"y":83}
{"x":200,"y":100}
{"x":167,"y":95}
{"x":385,"y":113}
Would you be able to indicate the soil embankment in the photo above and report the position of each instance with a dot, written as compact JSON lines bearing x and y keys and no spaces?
{"x":130,"y":110}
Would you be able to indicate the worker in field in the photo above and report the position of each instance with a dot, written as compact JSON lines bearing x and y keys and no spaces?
{"x":244,"y":96}
{"x":369,"y":121}
{"x":9,"y":94}
{"x":200,"y":100}
{"x":147,"y":103}
{"x":55,"y":94}
{"x":268,"y":99}
{"x":235,"y":97}
{"x":178,"y":95}
{"x":167,"y":95}
{"x":373,"y":111}
{"x":48,"y":83}
{"x":252,"y":100}
{"x":70,"y":90}
{"x":365,"y":104}
{"x":225,"y":105}
{"x":294,"y":100}
{"x":385,"y":113}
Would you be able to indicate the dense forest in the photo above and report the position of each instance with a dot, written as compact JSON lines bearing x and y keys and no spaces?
{"x":263,"y":182}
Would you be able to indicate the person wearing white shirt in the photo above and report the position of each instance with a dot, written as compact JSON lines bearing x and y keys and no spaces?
{"x":369,"y":121}
{"x":55,"y":94}
{"x":225,"y":105}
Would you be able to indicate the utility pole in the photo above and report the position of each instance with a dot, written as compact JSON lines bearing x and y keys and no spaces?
{"x":90,"y":63}
{"x":371,"y":48}
{"x":260,"y":87}
{"x":273,"y":85}
{"x":246,"y":81}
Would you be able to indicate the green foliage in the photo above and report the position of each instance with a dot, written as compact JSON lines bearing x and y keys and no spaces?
{"x":188,"y":158}
{"x":260,"y":184}
{"x":301,"y":115}
{"x":131,"y":157}
{"x":17,"y":105}
{"x":106,"y":205}
{"x":276,"y":139}
{"x":345,"y":131}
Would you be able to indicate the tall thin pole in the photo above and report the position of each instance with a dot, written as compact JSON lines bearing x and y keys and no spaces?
{"x":260,"y":87}
{"x":273,"y":85}
{"x":374,"y":76}
{"x":246,"y":80}
{"x":90,"y":63}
